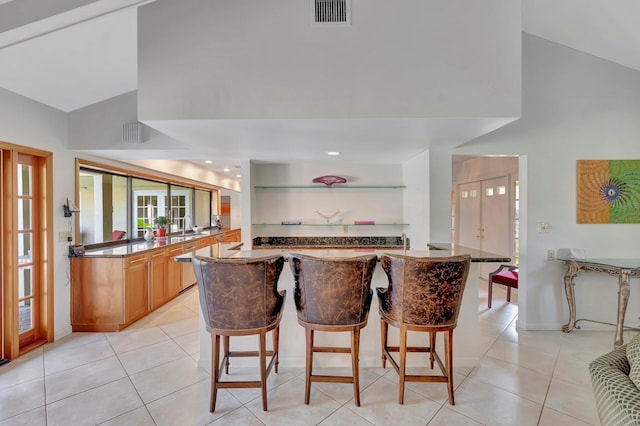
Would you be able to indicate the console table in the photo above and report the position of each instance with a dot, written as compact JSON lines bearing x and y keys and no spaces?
{"x":622,"y":268}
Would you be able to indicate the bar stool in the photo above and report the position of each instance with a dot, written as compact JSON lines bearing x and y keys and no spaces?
{"x":424,"y":294}
{"x":239,"y":297}
{"x":332,"y":295}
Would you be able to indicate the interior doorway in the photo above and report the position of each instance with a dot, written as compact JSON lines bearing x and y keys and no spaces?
{"x":486,"y":206}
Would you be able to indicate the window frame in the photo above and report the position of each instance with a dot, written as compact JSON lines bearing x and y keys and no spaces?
{"x":168,"y":180}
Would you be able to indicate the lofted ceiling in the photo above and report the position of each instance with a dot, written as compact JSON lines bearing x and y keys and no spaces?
{"x":86,"y":51}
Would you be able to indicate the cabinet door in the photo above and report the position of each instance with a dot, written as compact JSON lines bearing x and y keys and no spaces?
{"x":174,"y":271}
{"x":136,"y":299}
{"x":158,"y":265}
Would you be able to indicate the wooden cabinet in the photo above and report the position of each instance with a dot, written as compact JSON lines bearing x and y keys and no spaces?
{"x":174,"y":270}
{"x":158,"y":279}
{"x":97,"y":294}
{"x":231,"y":236}
{"x":110,"y":293}
{"x":136,"y":284}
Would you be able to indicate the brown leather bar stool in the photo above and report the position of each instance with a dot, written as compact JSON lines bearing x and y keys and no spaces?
{"x":424,"y":294}
{"x":239,"y":297}
{"x":332,"y":295}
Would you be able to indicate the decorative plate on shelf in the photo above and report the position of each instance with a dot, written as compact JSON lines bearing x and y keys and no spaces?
{"x":329,"y":180}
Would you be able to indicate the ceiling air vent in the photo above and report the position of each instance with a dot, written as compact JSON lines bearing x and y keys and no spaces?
{"x":331,"y":12}
{"x":132,"y":132}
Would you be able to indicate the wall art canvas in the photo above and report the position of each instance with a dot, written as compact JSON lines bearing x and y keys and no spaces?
{"x":608,"y":191}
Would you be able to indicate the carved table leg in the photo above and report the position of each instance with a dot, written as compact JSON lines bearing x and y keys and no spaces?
{"x":572,"y":271}
{"x":623,"y":298}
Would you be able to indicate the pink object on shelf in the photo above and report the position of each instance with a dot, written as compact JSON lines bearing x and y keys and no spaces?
{"x":329,"y":180}
{"x":365,"y":222}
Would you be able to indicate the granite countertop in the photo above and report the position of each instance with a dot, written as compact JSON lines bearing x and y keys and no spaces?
{"x":139,"y":246}
{"x":231,"y":253}
{"x":455,"y":249}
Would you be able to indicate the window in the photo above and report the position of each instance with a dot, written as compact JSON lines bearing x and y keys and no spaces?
{"x":103,"y":205}
{"x":149,"y":202}
{"x":202,"y":214}
{"x":181,"y":211}
{"x":116,"y":204}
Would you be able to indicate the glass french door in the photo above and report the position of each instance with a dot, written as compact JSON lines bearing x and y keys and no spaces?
{"x":28,"y":288}
{"x":26,"y":245}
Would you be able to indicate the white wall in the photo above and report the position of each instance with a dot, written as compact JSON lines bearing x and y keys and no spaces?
{"x":440,"y":195}
{"x":575,"y":106}
{"x":401,"y":58}
{"x":416,"y":206}
{"x":28,"y":123}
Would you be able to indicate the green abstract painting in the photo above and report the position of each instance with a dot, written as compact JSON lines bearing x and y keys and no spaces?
{"x":608,"y":191}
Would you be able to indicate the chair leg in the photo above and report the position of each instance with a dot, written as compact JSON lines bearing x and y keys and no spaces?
{"x":490,"y":290}
{"x":215,"y":370}
{"x":449,"y":360}
{"x":355,"y":349}
{"x":432,"y":347}
{"x":508,"y":294}
{"x":384,"y":328}
{"x":263,"y":368}
{"x":225,"y":343}
{"x":309,"y":365}
{"x":403,"y":361}
{"x":276,"y":346}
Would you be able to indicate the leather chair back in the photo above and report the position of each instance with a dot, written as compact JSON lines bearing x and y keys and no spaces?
{"x":424,"y":291}
{"x":333,"y":291}
{"x":239,"y":294}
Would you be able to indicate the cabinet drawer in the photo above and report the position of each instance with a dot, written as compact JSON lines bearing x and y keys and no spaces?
{"x":136,"y":260}
{"x":190,"y":246}
{"x":175,"y":250}
{"x":205,"y":242}
{"x":158,"y":253}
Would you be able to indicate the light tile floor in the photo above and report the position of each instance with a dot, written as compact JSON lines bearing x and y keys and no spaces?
{"x":147,"y":374}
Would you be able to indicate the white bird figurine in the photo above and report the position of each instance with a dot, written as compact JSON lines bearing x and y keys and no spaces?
{"x":327,"y":217}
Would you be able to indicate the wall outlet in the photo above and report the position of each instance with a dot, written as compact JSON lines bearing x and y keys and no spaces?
{"x":550,"y":255}
{"x":543,"y":228}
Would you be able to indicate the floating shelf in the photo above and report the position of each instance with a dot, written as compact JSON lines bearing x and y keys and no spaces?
{"x":338,"y":186}
{"x":329,"y":224}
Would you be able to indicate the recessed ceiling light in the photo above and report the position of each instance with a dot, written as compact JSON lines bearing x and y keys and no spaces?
{"x":226,"y":169}
{"x":238,"y":176}
{"x":333,"y":152}
{"x":208,"y":161}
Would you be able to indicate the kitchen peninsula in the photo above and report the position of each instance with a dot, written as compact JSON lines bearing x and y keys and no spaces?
{"x":467,"y":350}
{"x":117,"y":284}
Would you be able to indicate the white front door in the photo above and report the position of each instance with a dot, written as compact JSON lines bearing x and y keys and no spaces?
{"x":469,"y":223}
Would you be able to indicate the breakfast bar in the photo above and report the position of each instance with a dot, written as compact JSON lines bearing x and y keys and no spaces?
{"x":292,"y":338}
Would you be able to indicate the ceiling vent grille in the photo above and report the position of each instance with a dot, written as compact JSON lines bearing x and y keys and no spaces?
{"x":132,"y":133}
{"x":331,"y":12}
